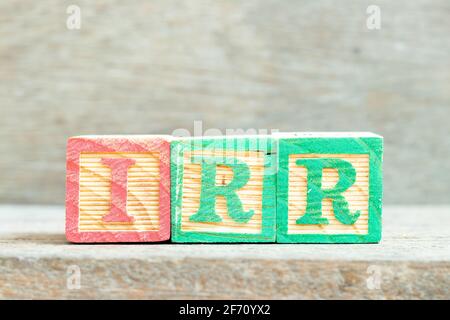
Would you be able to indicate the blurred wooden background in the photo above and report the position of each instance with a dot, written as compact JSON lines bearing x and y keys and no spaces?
{"x":155,"y":66}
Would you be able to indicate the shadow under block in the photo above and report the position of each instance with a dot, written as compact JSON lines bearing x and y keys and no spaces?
{"x":223,"y":189}
{"x":329,"y":187}
{"x":118,"y":189}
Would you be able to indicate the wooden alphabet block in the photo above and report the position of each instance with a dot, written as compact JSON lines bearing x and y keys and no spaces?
{"x":223,"y":189}
{"x":118,"y":189}
{"x":329,"y":187}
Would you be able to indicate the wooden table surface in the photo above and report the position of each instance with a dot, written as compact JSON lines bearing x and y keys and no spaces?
{"x":412,"y":261}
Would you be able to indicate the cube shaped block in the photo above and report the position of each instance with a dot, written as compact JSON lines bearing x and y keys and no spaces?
{"x":118,"y":189}
{"x":223,"y":189}
{"x":329,"y":187}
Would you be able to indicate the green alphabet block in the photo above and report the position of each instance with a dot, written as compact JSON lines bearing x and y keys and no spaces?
{"x":329,"y":187}
{"x":223,"y":189}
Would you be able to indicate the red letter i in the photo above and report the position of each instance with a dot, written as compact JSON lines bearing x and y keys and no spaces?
{"x":119,"y":179}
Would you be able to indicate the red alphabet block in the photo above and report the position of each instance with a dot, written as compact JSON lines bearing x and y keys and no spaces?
{"x":118,"y":189}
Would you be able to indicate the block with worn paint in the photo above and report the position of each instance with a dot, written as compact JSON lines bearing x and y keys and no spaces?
{"x":223,"y":189}
{"x":118,"y":189}
{"x":329,"y":187}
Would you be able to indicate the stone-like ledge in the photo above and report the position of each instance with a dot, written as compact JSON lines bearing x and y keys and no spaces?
{"x":412,"y":261}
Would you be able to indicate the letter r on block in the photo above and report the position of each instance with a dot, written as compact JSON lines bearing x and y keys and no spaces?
{"x":316,"y":194}
{"x":119,"y":180}
{"x":209,"y":190}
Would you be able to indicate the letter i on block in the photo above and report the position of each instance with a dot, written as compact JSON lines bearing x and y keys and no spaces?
{"x":329,"y":187}
{"x":223,"y":189}
{"x":118,"y":189}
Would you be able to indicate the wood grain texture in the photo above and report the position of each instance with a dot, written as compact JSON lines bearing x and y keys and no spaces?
{"x":257,"y":194}
{"x":303,"y":192}
{"x":142,"y":192}
{"x":357,"y":196}
{"x":413,"y":260}
{"x":251,"y":194}
{"x":139,"y":67}
{"x":146,"y":189}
